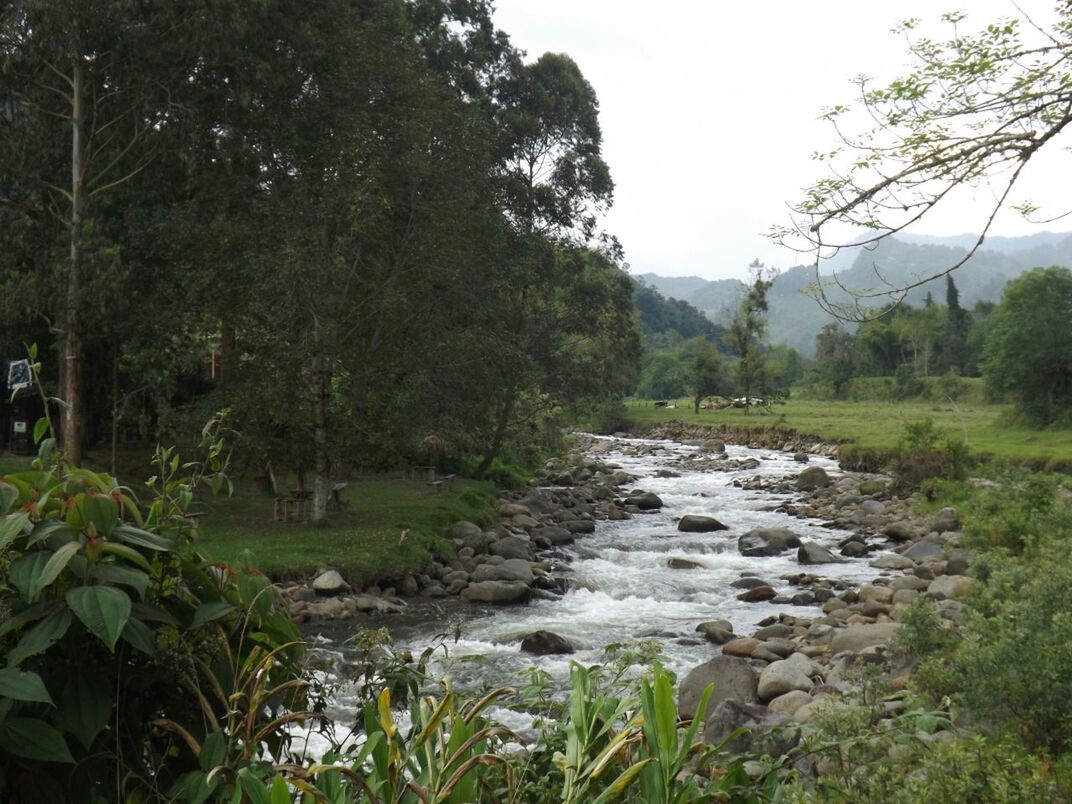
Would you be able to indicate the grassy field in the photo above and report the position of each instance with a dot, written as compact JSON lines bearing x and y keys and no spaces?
{"x":362,"y":540}
{"x":879,"y":425}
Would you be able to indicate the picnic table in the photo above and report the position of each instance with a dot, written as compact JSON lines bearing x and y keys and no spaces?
{"x":426,"y":473}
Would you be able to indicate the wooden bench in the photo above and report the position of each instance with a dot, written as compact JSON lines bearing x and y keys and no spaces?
{"x":437,"y":486}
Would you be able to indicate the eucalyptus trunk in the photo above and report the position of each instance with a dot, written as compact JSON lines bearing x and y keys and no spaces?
{"x":72,"y":335}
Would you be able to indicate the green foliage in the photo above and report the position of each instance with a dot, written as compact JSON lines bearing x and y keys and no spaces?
{"x":129,"y":657}
{"x":1029,"y":350}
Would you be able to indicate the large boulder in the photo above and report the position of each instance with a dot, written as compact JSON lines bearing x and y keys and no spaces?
{"x":764,"y":730}
{"x":469,"y":534}
{"x":949,"y":587}
{"x":856,"y":638}
{"x":330,"y":583}
{"x":733,"y":679}
{"x":683,"y":564}
{"x":946,"y":519}
{"x":814,"y":477}
{"x":758,"y":594}
{"x":553,"y":535}
{"x":511,"y":547}
{"x":580,"y":526}
{"x":778,"y":678}
{"x":545,"y":643}
{"x":717,"y":631}
{"x":812,"y":553}
{"x":923,"y":550}
{"x":767,"y":541}
{"x":513,"y":569}
{"x":713,"y":445}
{"x":893,"y":561}
{"x":694,"y":523}
{"x":496,"y":592}
{"x":644,"y":500}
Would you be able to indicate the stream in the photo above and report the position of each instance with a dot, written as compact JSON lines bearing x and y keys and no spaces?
{"x":621,"y":586}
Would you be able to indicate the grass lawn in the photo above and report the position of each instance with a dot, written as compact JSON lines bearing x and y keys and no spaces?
{"x":877,"y":425}
{"x":362,"y":540}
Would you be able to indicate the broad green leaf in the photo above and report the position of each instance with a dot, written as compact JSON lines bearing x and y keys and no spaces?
{"x":280,"y":791}
{"x":143,"y":538}
{"x":100,"y":511}
{"x":118,"y":574}
{"x":31,"y":738}
{"x":140,"y":636}
{"x":41,"y":637}
{"x":20,"y":685}
{"x":25,"y":571}
{"x":12,"y":526}
{"x":128,"y":553}
{"x":42,"y":530}
{"x":8,"y":495}
{"x":207,"y":612}
{"x":27,"y":615}
{"x":152,"y":614}
{"x":213,"y":750}
{"x":41,"y":429}
{"x":55,"y":565}
{"x":85,"y":707}
{"x":46,"y":450}
{"x":104,"y":610}
{"x":253,"y":787}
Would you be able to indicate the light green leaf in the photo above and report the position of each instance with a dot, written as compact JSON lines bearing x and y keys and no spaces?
{"x":55,"y":565}
{"x":8,"y":495}
{"x":25,"y":571}
{"x":104,"y":610}
{"x":20,"y":685}
{"x":280,"y":791}
{"x":31,"y":738}
{"x":118,"y":574}
{"x":12,"y":526}
{"x":253,"y":787}
{"x":41,"y":429}
{"x":143,"y":538}
{"x":41,"y":637}
{"x":207,"y":612}
{"x":129,"y":553}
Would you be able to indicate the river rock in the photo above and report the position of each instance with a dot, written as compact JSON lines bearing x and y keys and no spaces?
{"x":923,"y":550}
{"x":854,"y":548}
{"x":899,"y":532}
{"x":717,"y":631}
{"x":812,"y":553}
{"x":580,"y":526}
{"x":553,"y":535}
{"x":767,"y":541}
{"x":748,"y":582}
{"x":330,"y":583}
{"x":773,"y":631}
{"x":758,"y":594}
{"x":856,"y":638}
{"x":513,"y":509}
{"x":694,"y":523}
{"x":949,"y":587}
{"x":879,"y":594}
{"x":946,"y":519}
{"x":733,"y":678}
{"x":645,"y":501}
{"x":764,"y":730}
{"x":814,"y":477}
{"x":959,"y":561}
{"x":537,"y":503}
{"x":469,"y":534}
{"x":683,"y":564}
{"x":511,"y":547}
{"x":513,"y":569}
{"x":496,"y":592}
{"x":789,"y":703}
{"x":778,"y":678}
{"x":893,"y":561}
{"x":713,"y":445}
{"x":545,"y":643}
{"x":742,"y":646}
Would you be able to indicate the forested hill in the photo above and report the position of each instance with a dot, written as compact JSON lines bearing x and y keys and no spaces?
{"x":795,"y":318}
{"x":660,"y":315}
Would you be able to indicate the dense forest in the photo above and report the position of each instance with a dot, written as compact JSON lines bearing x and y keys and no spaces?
{"x":364,"y":228}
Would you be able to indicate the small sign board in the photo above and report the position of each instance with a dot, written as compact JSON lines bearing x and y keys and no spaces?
{"x":20,"y":427}
{"x":19,"y":375}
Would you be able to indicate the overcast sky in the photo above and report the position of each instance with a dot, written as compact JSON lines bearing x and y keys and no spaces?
{"x":709,"y":111}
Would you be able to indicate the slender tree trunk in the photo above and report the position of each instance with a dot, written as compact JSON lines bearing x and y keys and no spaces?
{"x":72,"y":357}
{"x":320,"y":432}
{"x":228,"y":347}
{"x":500,"y":432}
{"x":115,"y":409}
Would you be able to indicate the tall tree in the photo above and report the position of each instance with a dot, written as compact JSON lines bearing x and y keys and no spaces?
{"x":703,"y":369}
{"x":746,"y":331}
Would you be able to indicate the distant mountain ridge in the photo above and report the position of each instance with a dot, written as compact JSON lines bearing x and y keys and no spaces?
{"x":795,"y":318}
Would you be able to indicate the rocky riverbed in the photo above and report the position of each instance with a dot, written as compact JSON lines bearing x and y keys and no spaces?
{"x":761,"y":568}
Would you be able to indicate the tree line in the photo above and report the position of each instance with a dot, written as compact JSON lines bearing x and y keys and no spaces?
{"x":367,"y":227}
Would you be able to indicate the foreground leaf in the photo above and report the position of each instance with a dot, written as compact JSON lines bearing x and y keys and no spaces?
{"x":104,"y":610}
{"x":31,"y":738}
